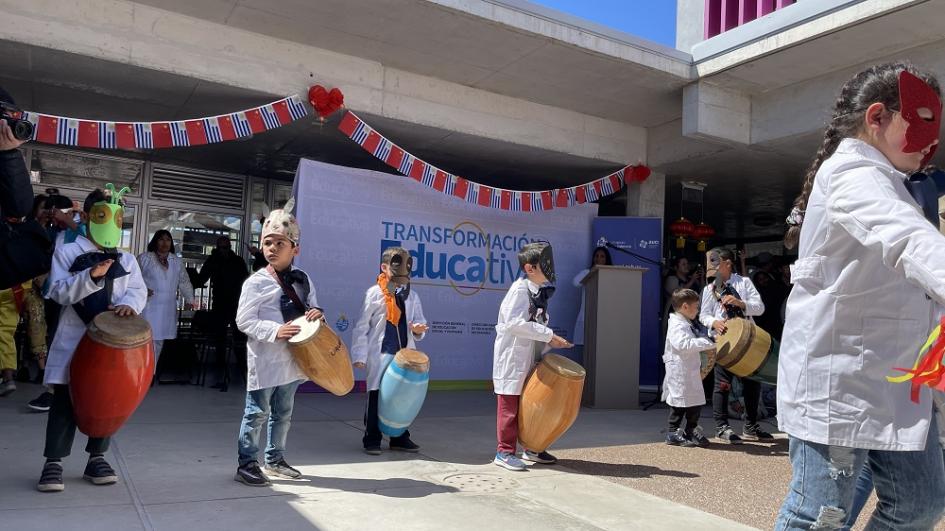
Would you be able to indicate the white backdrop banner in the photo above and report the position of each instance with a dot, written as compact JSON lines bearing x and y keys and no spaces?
{"x":465,"y":257}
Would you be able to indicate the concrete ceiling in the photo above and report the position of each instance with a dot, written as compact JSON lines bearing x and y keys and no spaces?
{"x":426,"y":38}
{"x":65,"y":84}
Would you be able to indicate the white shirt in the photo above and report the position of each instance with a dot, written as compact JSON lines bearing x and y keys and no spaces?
{"x":517,"y":340}
{"x":682,"y":386}
{"x":858,"y":309}
{"x":69,"y":288}
{"x":161,"y":309}
{"x":368,"y":334}
{"x":268,"y":360}
{"x":711,"y":310}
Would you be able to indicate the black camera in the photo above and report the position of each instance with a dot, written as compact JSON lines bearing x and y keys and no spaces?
{"x":22,"y":129}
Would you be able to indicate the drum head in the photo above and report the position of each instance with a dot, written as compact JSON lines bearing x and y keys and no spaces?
{"x":412,"y":360}
{"x":111,"y":329}
{"x":309,"y":329}
{"x":564,"y":367}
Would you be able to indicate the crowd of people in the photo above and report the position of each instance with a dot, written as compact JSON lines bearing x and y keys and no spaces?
{"x":867,"y":286}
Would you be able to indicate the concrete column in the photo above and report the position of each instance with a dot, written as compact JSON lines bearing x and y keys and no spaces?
{"x":716,"y":114}
{"x":647,"y":199}
{"x":690,"y":24}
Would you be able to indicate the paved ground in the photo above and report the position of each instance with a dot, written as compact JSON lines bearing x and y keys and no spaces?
{"x":176,"y":458}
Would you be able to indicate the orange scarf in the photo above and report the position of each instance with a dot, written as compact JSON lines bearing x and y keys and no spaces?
{"x":393,"y":311}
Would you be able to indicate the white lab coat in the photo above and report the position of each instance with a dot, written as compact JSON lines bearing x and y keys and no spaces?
{"x":518,"y":340}
{"x":682,"y":385}
{"x":368,"y":334}
{"x":258,"y":315}
{"x":711,"y":310}
{"x":161,"y":309}
{"x":858,"y":309}
{"x":579,"y":322}
{"x":69,"y":288}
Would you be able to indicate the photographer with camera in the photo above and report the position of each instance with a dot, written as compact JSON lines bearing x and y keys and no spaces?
{"x":25,"y":251}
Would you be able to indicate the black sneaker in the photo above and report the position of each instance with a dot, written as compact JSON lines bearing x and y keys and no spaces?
{"x":99,"y":472}
{"x":251,"y":475}
{"x":698,"y":437}
{"x":405,"y":445}
{"x":678,"y":438}
{"x":753,"y":432}
{"x":372,"y":450}
{"x":726,"y":435}
{"x":51,"y":478}
{"x":282,"y":469}
{"x":543,"y":458}
{"x":42,"y":402}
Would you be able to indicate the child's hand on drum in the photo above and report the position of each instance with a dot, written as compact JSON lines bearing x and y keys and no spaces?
{"x":313,"y":315}
{"x":288,"y":330}
{"x":559,"y":342}
{"x":418,"y":328}
{"x":358,"y":365}
{"x":719,"y":327}
{"x":123,"y":310}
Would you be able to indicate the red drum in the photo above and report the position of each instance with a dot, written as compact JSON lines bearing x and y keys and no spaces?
{"x":110,"y":372}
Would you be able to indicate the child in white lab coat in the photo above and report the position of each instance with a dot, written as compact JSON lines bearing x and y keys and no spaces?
{"x":271,"y":298}
{"x":391,"y":319}
{"x":522,"y":332}
{"x":682,"y":386}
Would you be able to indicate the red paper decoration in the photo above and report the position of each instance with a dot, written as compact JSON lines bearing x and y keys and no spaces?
{"x":325,"y":102}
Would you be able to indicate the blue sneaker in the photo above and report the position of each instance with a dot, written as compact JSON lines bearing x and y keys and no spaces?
{"x":678,"y":438}
{"x":509,"y":461}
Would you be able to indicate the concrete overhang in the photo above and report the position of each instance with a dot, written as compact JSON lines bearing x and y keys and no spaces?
{"x":509,"y":47}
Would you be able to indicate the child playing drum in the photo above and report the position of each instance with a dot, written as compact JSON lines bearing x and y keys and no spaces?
{"x":682,"y":387}
{"x":521,"y":333}
{"x":89,"y":276}
{"x":270,"y":300}
{"x":390,"y":309}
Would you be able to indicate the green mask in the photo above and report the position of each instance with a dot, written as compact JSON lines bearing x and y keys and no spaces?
{"x":105,"y":219}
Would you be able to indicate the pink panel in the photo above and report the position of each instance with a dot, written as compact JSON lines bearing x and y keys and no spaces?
{"x":729,"y":14}
{"x":784,"y":3}
{"x":713,"y":18}
{"x":765,"y":7}
{"x":747,"y":11}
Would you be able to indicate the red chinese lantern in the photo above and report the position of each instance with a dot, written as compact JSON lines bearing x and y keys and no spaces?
{"x":681,"y":229}
{"x":701,"y":233}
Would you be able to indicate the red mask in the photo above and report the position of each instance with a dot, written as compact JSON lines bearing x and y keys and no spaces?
{"x":915,"y":94}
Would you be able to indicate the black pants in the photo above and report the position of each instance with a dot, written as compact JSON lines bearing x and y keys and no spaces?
{"x":751,"y":392}
{"x":372,"y":428}
{"x":677,"y":414}
{"x":224,"y":321}
{"x":60,"y":428}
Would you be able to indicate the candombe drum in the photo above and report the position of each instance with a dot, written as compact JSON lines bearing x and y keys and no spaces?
{"x":550,"y":402}
{"x":322,"y":356}
{"x":403,"y":388}
{"x":706,"y":362}
{"x":748,"y":351}
{"x":110,"y":372}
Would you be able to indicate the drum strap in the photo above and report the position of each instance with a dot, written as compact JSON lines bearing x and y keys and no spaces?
{"x":291,"y":305}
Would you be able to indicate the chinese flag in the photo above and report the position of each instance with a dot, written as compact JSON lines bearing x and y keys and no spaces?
{"x":348,"y":124}
{"x":88,"y":134}
{"x":461,"y":188}
{"x":227,"y":131}
{"x":281,"y":109}
{"x":526,"y":201}
{"x":395,"y":157}
{"x":161,"y":135}
{"x":196,"y":132}
{"x":416,"y":172}
{"x":256,"y":123}
{"x":125,"y":135}
{"x":46,"y":129}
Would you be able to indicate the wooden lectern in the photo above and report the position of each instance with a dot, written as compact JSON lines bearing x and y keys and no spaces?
{"x":612,"y":309}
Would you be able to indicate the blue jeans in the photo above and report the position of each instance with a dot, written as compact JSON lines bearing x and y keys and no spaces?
{"x":825,"y":480}
{"x":274,"y":404}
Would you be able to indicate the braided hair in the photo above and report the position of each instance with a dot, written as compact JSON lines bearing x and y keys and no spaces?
{"x":876,"y":84}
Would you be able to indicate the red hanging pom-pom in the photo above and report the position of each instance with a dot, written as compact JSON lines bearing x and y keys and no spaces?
{"x":639,"y":173}
{"x":325,"y":102}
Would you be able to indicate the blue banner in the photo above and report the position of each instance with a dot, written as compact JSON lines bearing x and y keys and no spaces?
{"x":642,"y":237}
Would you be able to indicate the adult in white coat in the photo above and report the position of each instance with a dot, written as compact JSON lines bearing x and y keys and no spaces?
{"x":522,"y":333}
{"x":869,"y":270}
{"x":165,"y":276}
{"x":391,"y":319}
{"x":601,"y":256}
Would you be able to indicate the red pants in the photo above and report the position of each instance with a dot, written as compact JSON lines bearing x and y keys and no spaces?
{"x":507,"y":423}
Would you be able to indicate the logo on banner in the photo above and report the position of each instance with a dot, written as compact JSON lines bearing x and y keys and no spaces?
{"x":649,"y":244}
{"x":464,"y":257}
{"x":342,"y":323}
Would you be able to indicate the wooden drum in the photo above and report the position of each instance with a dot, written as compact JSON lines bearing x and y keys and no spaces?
{"x":110,"y":372}
{"x":748,"y":351}
{"x":322,"y":356}
{"x":402,"y":391}
{"x":550,"y":402}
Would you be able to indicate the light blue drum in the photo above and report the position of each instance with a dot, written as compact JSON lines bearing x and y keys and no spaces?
{"x":403,"y":388}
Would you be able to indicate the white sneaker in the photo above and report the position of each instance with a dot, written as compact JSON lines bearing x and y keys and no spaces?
{"x":7,"y":387}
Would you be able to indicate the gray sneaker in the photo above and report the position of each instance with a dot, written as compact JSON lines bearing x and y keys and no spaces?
{"x":282,"y":470}
{"x":509,"y":461}
{"x":7,"y":387}
{"x":726,"y":435}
